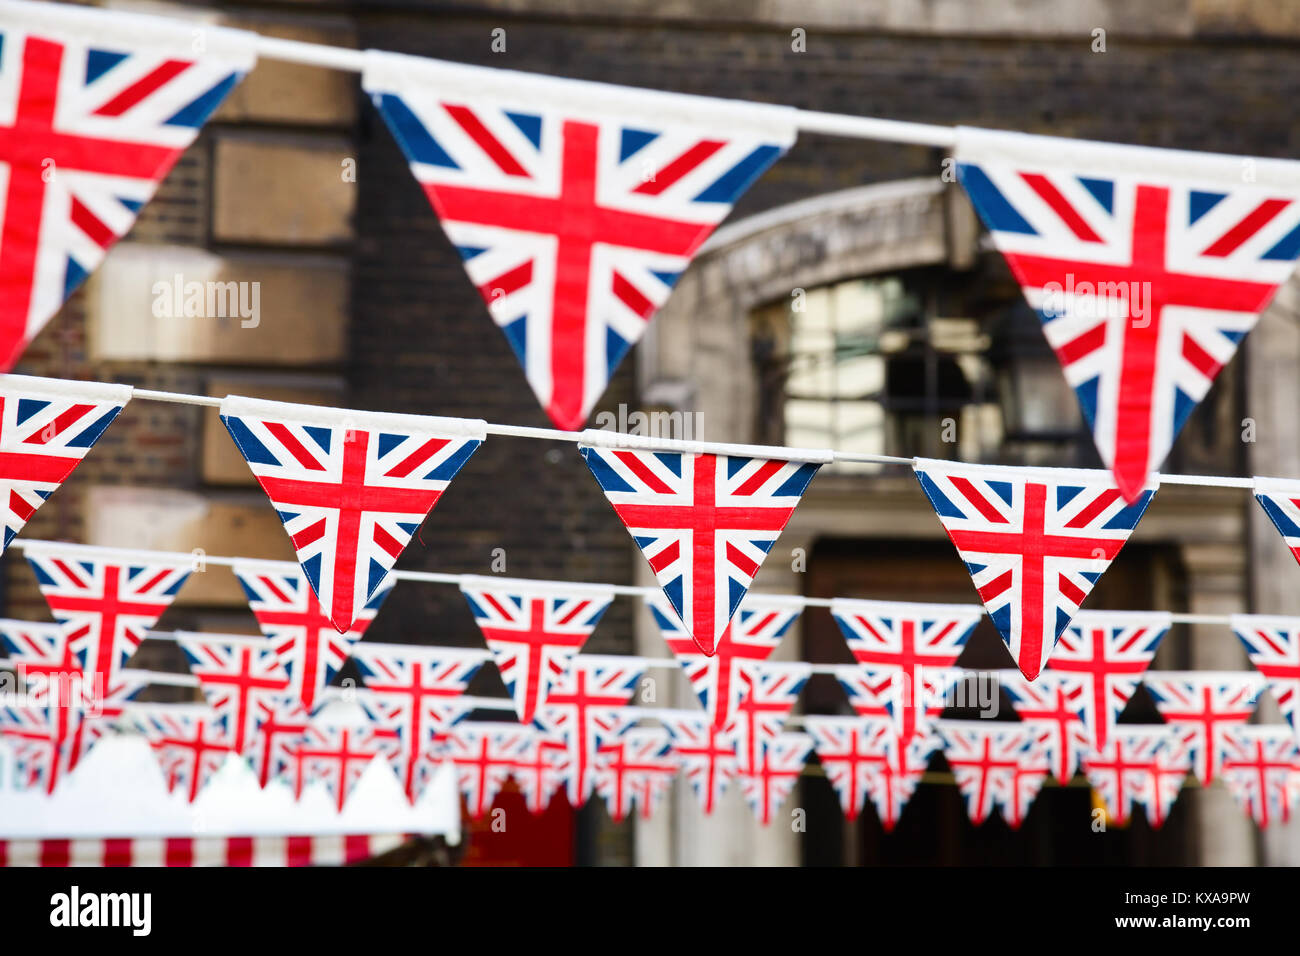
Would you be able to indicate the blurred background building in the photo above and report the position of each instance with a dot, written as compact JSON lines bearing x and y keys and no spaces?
{"x":849,"y":301}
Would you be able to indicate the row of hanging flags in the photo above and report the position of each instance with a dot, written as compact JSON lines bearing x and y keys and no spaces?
{"x":579,"y":730}
{"x":576,"y":207}
{"x":352,"y":487}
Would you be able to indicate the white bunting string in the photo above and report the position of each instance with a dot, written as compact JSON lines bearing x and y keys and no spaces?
{"x":592,"y":436}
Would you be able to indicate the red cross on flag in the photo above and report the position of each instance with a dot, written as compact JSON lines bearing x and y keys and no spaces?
{"x":533,"y":629}
{"x":105,"y":599}
{"x":1201,"y":707}
{"x":1147,"y":267}
{"x":1035,"y":541}
{"x":985,"y":756}
{"x":1273,"y":644}
{"x":751,"y":637}
{"x":1050,"y":707}
{"x":351,"y":487}
{"x":770,"y":779}
{"x":1262,"y":770}
{"x":636,"y":769}
{"x":47,"y":426}
{"x":95,"y":109}
{"x":575,"y":206}
{"x":242,"y":680}
{"x":863,"y":757}
{"x":189,"y":742}
{"x":704,"y":522}
{"x":1141,"y":764}
{"x":1101,"y":658}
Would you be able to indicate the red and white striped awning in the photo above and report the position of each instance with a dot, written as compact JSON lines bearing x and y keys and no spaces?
{"x":331,"y":850}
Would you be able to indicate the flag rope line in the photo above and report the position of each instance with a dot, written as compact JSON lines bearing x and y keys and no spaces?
{"x":717,"y":448}
{"x":441,"y":577}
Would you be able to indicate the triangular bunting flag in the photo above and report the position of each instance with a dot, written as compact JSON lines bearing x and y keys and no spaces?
{"x":862,"y":758}
{"x":875,"y":694}
{"x":279,"y":731}
{"x":1201,"y":707}
{"x":541,"y":766}
{"x":1273,"y":644}
{"x":105,"y":600}
{"x":1147,"y":267}
{"x":768,"y":783}
{"x":335,"y":753}
{"x":1102,"y":656}
{"x":1140,"y":764}
{"x":484,"y":755}
{"x":45,"y":722}
{"x":1262,"y":769}
{"x":896,"y":644}
{"x":242,"y":680}
{"x":533,"y":629}
{"x":751,"y":637}
{"x":704,"y":522}
{"x":95,"y":109}
{"x":47,"y":426}
{"x":767,"y":695}
{"x":190,"y":743}
{"x":707,"y":755}
{"x":1033,"y":767}
{"x":576,"y":206}
{"x":1035,"y":541}
{"x":587,"y":707}
{"x":985,"y":757}
{"x":636,"y":769}
{"x":351,"y":487}
{"x":1050,"y":708}
{"x":1280,"y":499}
{"x":419,"y":692}
{"x":301,"y":634}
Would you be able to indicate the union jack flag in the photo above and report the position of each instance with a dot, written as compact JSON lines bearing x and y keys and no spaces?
{"x":1033,"y":767}
{"x":751,"y":637}
{"x":1102,"y":656}
{"x":1035,"y":541}
{"x":1280,"y":499}
{"x":281,"y":725}
{"x":985,"y":756}
{"x":575,"y":206}
{"x":1273,"y":644}
{"x":1142,"y":764}
{"x":241,"y":679}
{"x":636,"y":769}
{"x":533,"y":630}
{"x":542,"y":765}
{"x":351,"y":487}
{"x":705,"y":523}
{"x":95,"y":109}
{"x":189,"y":742}
{"x":66,"y":712}
{"x":302,"y":636}
{"x":770,"y":779}
{"x":105,"y":604}
{"x":419,"y":692}
{"x":1201,"y":707}
{"x":768,"y":692}
{"x":1262,"y":769}
{"x":39,"y":747}
{"x":876,"y":695}
{"x":707,"y":755}
{"x":587,"y":707}
{"x":1147,"y":266}
{"x":1050,"y":707}
{"x":896,"y":644}
{"x":484,"y":755}
{"x":849,"y":749}
{"x":335,"y":754}
{"x":46,"y":427}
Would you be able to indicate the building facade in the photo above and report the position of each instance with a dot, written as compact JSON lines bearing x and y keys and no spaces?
{"x":849,"y":301}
